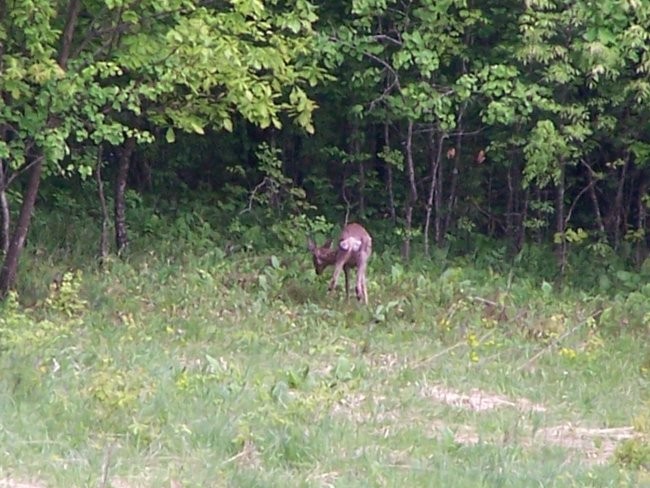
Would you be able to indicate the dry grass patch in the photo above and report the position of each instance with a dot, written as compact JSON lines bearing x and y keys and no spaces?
{"x":360,"y":408}
{"x":596,"y":445}
{"x":13,"y":483}
{"x":477,"y":400}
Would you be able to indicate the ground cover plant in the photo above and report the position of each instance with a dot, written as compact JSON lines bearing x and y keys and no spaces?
{"x":163,"y":164}
{"x":194,"y":366}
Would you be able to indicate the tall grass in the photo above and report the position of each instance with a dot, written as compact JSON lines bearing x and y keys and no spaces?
{"x":188,"y":364}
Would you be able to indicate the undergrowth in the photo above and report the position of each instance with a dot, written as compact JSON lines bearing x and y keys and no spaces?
{"x":206,"y":361}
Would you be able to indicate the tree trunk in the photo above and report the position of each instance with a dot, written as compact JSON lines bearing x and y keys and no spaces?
{"x":594,"y":198}
{"x":354,"y":146}
{"x":617,"y":211}
{"x":560,"y":242}
{"x":437,"y":201}
{"x":451,"y":198}
{"x":491,"y":220}
{"x":121,"y":233}
{"x":510,"y":211}
{"x":435,"y":154}
{"x":17,"y":242}
{"x":103,"y":237}
{"x":5,"y":216}
{"x":74,"y":8}
{"x":389,"y":176}
{"x":641,"y":223}
{"x":521,"y":221}
{"x":413,"y":193}
{"x":362,"y":189}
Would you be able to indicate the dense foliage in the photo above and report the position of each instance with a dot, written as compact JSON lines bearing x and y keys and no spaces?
{"x":497,"y":151}
{"x":438,"y":123}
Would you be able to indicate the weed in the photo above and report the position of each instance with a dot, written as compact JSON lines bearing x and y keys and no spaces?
{"x":634,"y":453}
{"x":225,"y":367}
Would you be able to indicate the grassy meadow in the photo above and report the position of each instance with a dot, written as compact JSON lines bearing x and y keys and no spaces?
{"x":186,"y":365}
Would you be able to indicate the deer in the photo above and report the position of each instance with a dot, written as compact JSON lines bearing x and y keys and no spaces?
{"x":353,"y":251}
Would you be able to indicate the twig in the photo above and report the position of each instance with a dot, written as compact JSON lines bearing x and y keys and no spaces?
{"x":347,"y":202}
{"x":235,"y":457}
{"x":559,"y":339}
{"x":441,"y":353}
{"x":9,"y":180}
{"x":484,"y":300}
{"x":409,"y":466}
{"x":451,"y":348}
{"x":106,"y":464}
{"x":253,"y":194}
{"x":575,"y":201}
{"x":103,"y":238}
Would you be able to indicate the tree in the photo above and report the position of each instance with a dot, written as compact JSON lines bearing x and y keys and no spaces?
{"x":104,"y":72}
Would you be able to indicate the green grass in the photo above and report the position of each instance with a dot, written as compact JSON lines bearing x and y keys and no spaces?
{"x":203,"y":370}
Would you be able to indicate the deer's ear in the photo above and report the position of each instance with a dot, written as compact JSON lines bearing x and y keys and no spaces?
{"x":311,"y":245}
{"x":328,"y":243}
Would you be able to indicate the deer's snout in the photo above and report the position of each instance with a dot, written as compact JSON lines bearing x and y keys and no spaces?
{"x":318,"y":267}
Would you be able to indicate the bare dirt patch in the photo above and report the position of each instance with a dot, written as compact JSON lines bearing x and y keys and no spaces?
{"x":361,"y":408}
{"x":387,"y":363}
{"x":12,"y":483}
{"x":594,"y":444}
{"x":477,"y":400}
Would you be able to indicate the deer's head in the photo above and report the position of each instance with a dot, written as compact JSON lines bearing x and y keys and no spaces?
{"x":322,"y":256}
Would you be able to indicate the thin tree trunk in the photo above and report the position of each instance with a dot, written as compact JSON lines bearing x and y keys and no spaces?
{"x":121,"y":232}
{"x":17,"y":242}
{"x":435,"y":155}
{"x":389,"y":176}
{"x":594,"y":198}
{"x":5,"y":216}
{"x":356,"y":145}
{"x":537,"y":215}
{"x":618,"y":210}
{"x":103,"y":237}
{"x":354,"y":148}
{"x":560,"y":244}
{"x":362,"y":188}
{"x":641,"y":223}
{"x":413,"y":193}
{"x":344,"y":196}
{"x":490,"y":215}
{"x":521,"y":221}
{"x":451,"y":199}
{"x":437,"y":201}
{"x":628,"y":198}
{"x":74,"y":8}
{"x":519,"y":208}
{"x":510,"y":210}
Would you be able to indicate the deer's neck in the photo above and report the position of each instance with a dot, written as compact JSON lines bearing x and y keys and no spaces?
{"x":331,"y":257}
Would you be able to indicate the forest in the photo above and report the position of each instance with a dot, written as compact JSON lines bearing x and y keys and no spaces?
{"x":445,"y":124}
{"x":164,"y":164}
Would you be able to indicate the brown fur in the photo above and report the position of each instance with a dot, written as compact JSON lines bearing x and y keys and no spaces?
{"x":353,"y":251}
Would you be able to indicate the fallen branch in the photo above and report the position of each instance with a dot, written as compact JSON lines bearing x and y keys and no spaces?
{"x":558,"y":341}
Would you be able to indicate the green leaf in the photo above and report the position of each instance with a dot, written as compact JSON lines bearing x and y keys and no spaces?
{"x":197,"y":128}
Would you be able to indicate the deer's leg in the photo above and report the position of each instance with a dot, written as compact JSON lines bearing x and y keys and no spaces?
{"x":362,"y":292}
{"x":347,"y":282}
{"x":335,"y":276}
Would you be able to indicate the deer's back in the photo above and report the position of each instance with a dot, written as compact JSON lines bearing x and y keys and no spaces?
{"x":356,"y":241}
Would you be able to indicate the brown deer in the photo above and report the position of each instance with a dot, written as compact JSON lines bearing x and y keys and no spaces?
{"x":353,"y":250}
